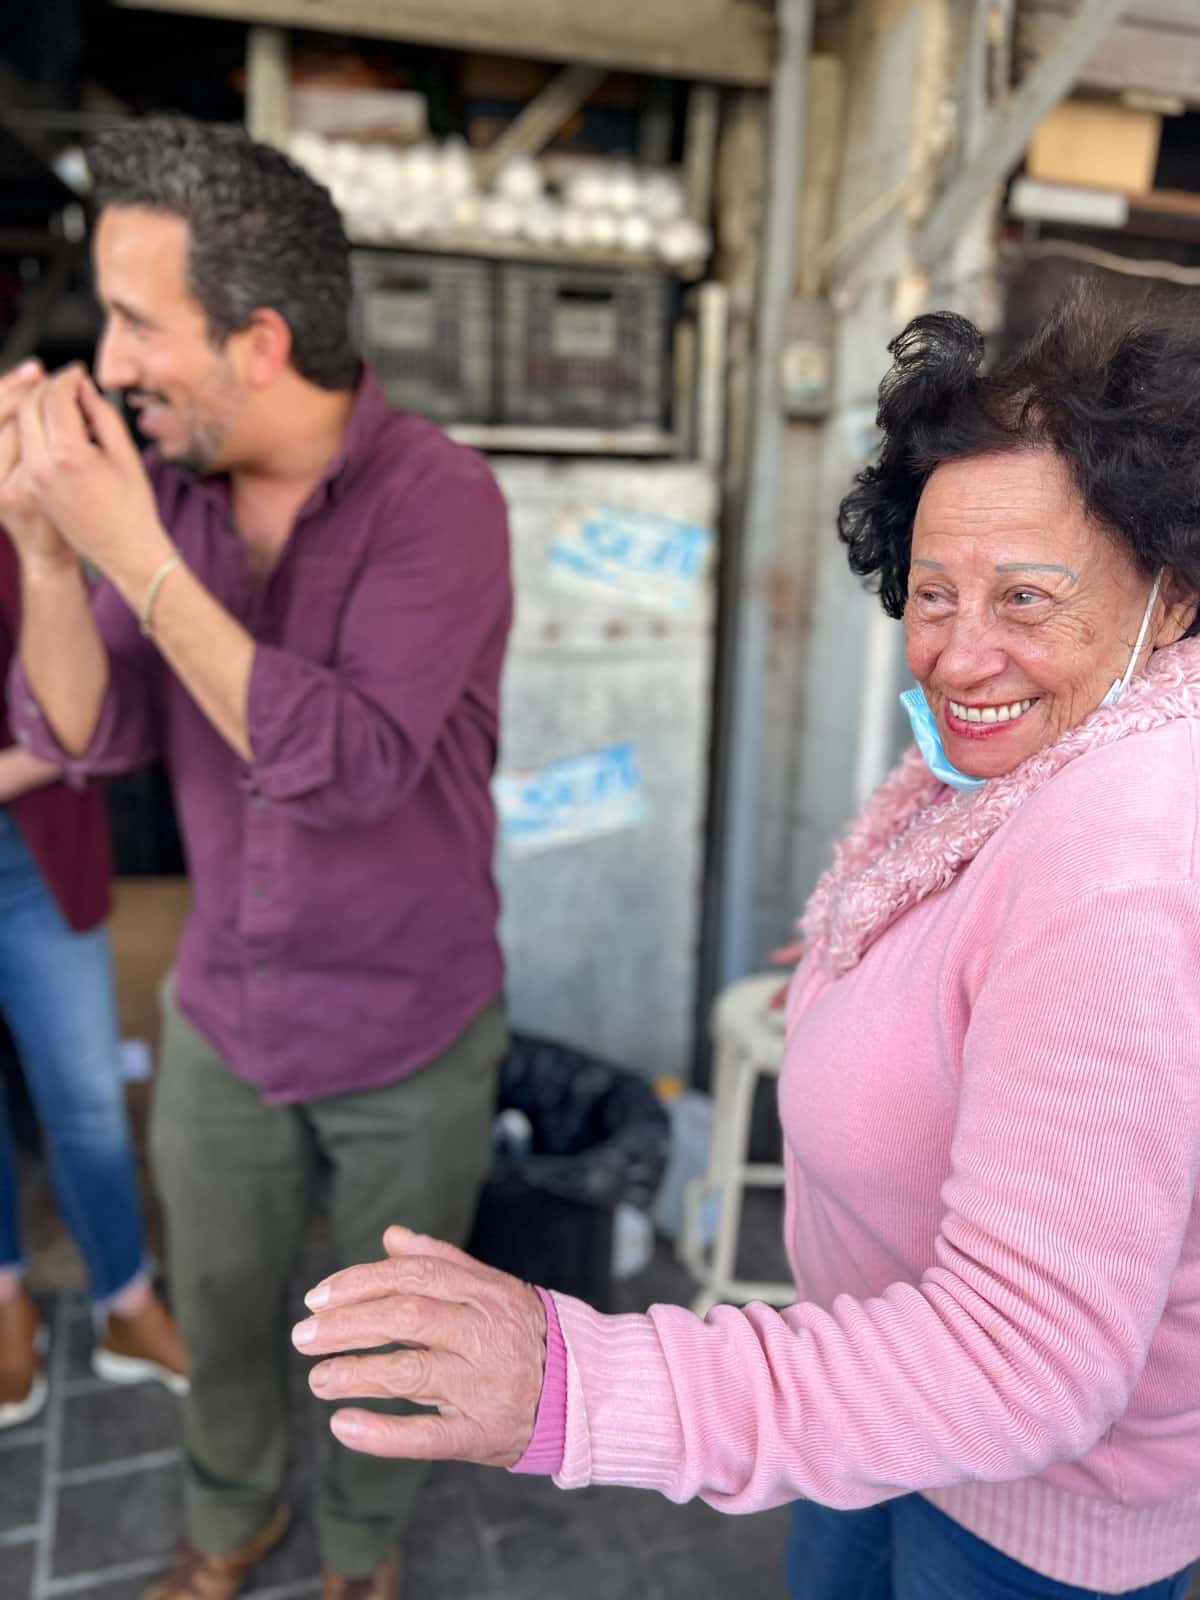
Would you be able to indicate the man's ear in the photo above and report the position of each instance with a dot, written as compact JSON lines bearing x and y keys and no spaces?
{"x":264,"y":348}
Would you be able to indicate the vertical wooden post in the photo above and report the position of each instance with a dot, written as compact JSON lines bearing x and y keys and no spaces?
{"x":267,"y":116}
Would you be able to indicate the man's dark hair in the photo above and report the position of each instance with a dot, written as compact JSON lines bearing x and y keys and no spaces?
{"x":1113,"y":390}
{"x":262,"y":232}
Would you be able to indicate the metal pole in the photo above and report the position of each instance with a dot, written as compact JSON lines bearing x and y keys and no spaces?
{"x":739,"y":781}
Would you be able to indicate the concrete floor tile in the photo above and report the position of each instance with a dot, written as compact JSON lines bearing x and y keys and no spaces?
{"x":447,"y":1552}
{"x":115,"y":1422}
{"x":121,"y":1589}
{"x":80,"y":1340}
{"x":111,"y":1521}
{"x":20,"y":1487}
{"x":734,"y":1556}
{"x":16,"y":1571}
{"x":477,"y":1534}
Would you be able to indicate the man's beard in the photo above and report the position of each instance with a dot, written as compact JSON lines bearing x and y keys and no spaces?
{"x":209,"y":421}
{"x":203,"y":447}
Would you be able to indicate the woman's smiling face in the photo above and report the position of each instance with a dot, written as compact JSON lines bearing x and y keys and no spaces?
{"x":1021,"y":611}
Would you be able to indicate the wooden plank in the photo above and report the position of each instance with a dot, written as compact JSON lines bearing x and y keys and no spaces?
{"x":1180,"y":14}
{"x":683,"y":410}
{"x":656,"y":125}
{"x":713,"y":321}
{"x":700,"y":150}
{"x":1007,"y":131}
{"x":1166,"y":203}
{"x":536,"y":124}
{"x":1150,"y":60}
{"x":494,"y":247}
{"x":267,"y":66}
{"x":822,"y":158}
{"x":725,"y":41}
{"x":564,"y":441}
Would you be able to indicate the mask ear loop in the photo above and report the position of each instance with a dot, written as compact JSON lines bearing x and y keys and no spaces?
{"x":1141,"y":638}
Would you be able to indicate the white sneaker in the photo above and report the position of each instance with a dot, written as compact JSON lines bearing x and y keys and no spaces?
{"x":143,"y":1348}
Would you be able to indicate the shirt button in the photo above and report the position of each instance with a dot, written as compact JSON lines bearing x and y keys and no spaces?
{"x":260,"y":803}
{"x":261,"y":969}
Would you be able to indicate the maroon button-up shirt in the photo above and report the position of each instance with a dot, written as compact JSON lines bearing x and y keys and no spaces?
{"x":343,"y":928}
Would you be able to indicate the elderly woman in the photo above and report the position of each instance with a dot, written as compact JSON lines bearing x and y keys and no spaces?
{"x":990,"y":1381}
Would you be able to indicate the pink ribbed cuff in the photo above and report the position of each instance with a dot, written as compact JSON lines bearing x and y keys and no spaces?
{"x":544,"y":1453}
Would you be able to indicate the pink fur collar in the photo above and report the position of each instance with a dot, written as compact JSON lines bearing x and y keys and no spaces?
{"x":911,"y":841}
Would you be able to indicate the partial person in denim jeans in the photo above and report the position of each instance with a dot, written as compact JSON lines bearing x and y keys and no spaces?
{"x":56,"y":996}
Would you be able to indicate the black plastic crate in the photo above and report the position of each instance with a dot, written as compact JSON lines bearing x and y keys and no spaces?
{"x":425,"y":324}
{"x":583,"y":347}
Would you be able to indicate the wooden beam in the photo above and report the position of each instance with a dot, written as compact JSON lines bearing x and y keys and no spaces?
{"x":502,"y":439}
{"x":713,"y":328}
{"x":725,"y":41}
{"x":823,"y":149}
{"x":700,"y":150}
{"x":1153,"y":59}
{"x":532,"y":129}
{"x":1008,"y":131}
{"x":268,"y":116}
{"x":1154,"y":13}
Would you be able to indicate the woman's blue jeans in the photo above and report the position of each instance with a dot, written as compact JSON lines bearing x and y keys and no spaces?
{"x":909,"y":1550}
{"x":56,"y":995}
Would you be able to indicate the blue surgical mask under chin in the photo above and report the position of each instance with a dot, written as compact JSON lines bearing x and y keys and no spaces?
{"x":929,"y":740}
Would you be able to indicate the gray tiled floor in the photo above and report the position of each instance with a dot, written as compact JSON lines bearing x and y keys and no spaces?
{"x":90,"y":1498}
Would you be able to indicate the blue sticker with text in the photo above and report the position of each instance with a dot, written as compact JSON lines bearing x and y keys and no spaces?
{"x":652,"y":561}
{"x":564,"y":802}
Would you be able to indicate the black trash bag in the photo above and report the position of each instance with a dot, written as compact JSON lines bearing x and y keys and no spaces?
{"x":599,"y":1133}
{"x":598,"y":1137}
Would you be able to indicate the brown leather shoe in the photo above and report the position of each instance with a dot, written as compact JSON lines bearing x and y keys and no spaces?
{"x":146,"y":1346}
{"x":22,"y":1382}
{"x":383,"y":1584}
{"x":196,"y":1576}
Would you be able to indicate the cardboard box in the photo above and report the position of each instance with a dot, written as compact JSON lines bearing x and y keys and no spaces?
{"x":147,"y":919}
{"x":1098,"y":144}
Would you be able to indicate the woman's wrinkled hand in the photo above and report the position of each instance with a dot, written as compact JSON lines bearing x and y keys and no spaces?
{"x":475,"y":1348}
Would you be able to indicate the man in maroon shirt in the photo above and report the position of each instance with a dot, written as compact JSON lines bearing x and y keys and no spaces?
{"x":305,"y":606}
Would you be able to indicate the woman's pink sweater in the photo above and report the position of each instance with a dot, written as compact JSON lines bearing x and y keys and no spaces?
{"x":991,"y":1108}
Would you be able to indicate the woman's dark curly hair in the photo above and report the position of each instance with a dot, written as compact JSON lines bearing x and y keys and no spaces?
{"x":1115,"y":392}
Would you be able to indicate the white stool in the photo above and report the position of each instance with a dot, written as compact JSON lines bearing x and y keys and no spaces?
{"x":748,"y":1045}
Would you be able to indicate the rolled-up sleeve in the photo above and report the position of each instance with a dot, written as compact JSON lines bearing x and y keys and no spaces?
{"x":342,"y":745}
{"x":127,"y":732}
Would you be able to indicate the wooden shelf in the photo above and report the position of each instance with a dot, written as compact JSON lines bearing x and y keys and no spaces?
{"x":502,"y":440}
{"x":1154,"y":214}
{"x":722,"y":41}
{"x":494,"y":247}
